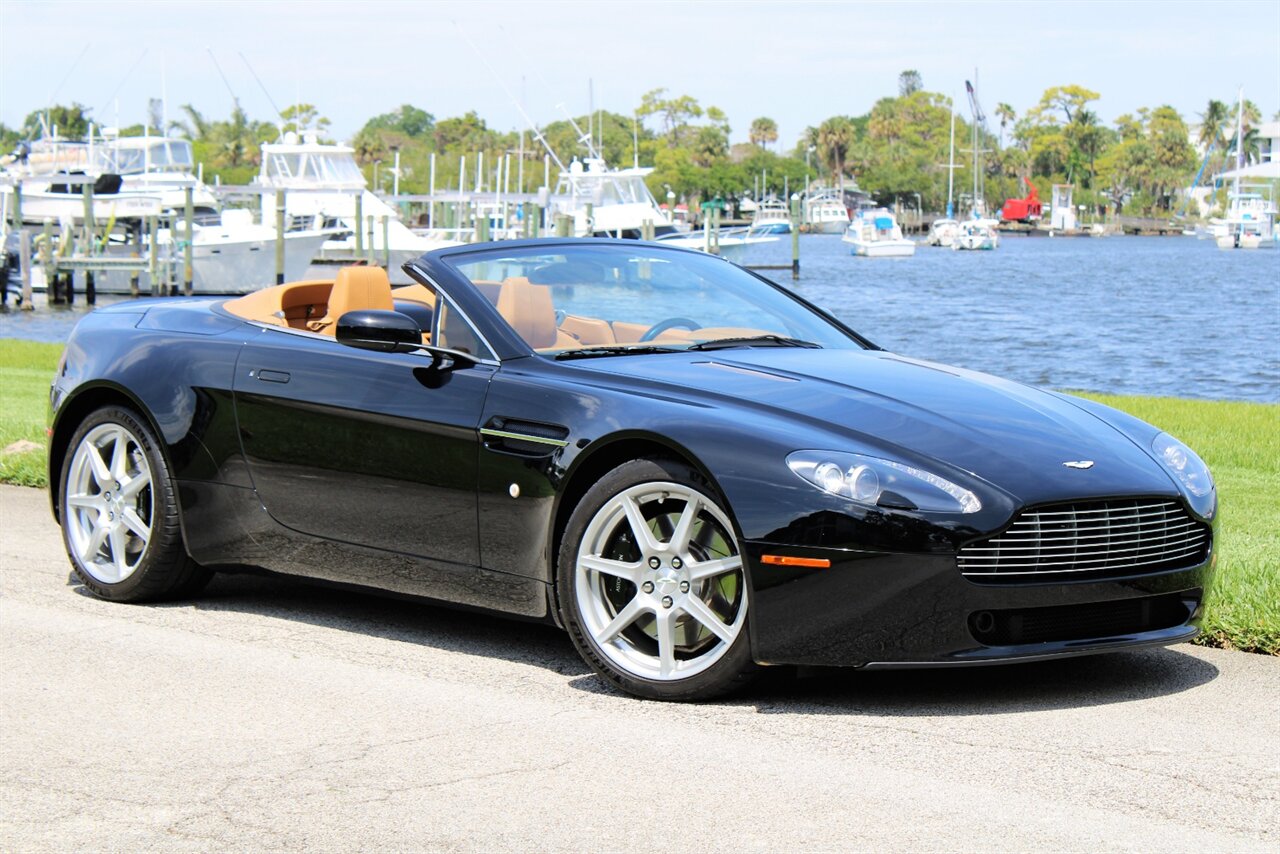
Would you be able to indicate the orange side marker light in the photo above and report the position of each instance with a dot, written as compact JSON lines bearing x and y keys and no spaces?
{"x":788,"y":560}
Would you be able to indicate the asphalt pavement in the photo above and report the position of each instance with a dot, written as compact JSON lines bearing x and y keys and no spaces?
{"x":272,"y":714}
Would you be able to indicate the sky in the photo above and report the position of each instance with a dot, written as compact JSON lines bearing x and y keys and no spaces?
{"x":795,"y":62}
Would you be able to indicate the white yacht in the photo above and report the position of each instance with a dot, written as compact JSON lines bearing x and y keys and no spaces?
{"x":140,"y":178}
{"x":620,"y":201}
{"x":771,"y":216}
{"x":322,"y":183}
{"x":825,"y":212}
{"x":1250,"y":220}
{"x":874,"y":233}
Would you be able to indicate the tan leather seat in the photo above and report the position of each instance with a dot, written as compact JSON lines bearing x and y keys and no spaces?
{"x":529,"y":310}
{"x":355,"y":289}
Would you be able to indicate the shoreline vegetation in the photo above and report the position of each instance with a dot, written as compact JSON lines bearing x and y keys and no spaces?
{"x":1240,"y":442}
{"x":1139,"y":164}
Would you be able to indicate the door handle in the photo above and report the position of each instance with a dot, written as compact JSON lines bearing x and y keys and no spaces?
{"x":271,"y":376}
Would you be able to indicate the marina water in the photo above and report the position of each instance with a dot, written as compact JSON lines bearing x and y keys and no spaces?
{"x":1161,"y":316}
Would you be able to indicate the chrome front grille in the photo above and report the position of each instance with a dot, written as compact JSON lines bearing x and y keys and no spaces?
{"x":1089,"y":539}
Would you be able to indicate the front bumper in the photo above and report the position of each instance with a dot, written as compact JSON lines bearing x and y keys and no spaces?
{"x":871,"y":609}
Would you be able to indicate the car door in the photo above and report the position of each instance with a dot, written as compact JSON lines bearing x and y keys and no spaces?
{"x":372,"y":449}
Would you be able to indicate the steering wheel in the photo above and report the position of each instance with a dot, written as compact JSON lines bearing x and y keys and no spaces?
{"x":670,"y":323}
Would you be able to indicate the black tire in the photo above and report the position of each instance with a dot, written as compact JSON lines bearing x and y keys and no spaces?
{"x":727,"y":663}
{"x":159,"y":568}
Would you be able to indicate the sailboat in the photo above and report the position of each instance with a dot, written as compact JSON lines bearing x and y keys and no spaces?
{"x":979,"y":231}
{"x":1250,"y":209}
{"x":943,"y":231}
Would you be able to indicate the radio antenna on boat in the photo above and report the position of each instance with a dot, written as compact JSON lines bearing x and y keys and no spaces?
{"x":270,"y":100}
{"x":123,"y":80}
{"x":55,"y":92}
{"x":533,"y":128}
{"x":584,"y":138}
{"x":225,"y":81}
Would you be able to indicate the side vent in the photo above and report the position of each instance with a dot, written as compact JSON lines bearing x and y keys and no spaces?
{"x":523,"y":438}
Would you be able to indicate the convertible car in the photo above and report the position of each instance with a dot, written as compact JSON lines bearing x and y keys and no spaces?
{"x":692,"y":470}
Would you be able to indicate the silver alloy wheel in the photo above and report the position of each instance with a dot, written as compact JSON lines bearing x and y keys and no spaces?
{"x":110,"y":503}
{"x":661,"y":605}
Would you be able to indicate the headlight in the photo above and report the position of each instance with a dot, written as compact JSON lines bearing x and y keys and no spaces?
{"x":1184,"y":465}
{"x":887,"y":483}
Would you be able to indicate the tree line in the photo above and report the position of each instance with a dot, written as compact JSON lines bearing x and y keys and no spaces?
{"x":897,"y":152}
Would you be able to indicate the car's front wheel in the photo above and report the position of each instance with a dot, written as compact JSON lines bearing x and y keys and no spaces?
{"x":652,"y":584}
{"x":118,"y":508}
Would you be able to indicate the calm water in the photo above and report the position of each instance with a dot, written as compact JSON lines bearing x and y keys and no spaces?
{"x":1131,"y":315}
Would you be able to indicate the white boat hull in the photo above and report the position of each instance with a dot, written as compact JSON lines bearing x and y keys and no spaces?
{"x":225,"y":267}
{"x":882,"y":248}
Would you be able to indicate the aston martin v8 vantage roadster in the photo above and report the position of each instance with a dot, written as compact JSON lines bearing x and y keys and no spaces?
{"x":692,"y":470}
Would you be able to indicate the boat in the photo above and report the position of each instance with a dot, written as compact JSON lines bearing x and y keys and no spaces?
{"x":607,"y":202}
{"x":771,"y":217}
{"x":979,"y":230}
{"x":731,"y":244}
{"x":943,"y":232}
{"x":141,"y":183}
{"x":976,"y":234}
{"x":825,"y":212}
{"x":875,"y":233}
{"x":1251,"y":209}
{"x":324,"y":190}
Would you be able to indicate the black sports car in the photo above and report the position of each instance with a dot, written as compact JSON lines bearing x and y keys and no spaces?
{"x":691,"y":469}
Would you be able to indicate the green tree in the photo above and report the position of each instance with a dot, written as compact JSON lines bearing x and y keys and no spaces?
{"x":764,"y":131}
{"x":406,"y":119}
{"x":834,"y":136}
{"x":70,"y":122}
{"x":299,"y":118}
{"x":675,"y":114}
{"x":1006,"y":115}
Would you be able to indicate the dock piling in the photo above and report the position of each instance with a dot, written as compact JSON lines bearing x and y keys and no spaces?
{"x":24,"y":266}
{"x":279,"y":237}
{"x":188,"y":216}
{"x":359,"y":226}
{"x":386,"y":243}
{"x":369,"y":243}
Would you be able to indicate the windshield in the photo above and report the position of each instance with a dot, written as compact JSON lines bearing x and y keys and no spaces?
{"x":567,"y":300}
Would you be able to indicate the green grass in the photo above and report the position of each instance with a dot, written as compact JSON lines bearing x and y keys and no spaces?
{"x":26,"y":369}
{"x":1239,"y":441}
{"x":1241,"y":444}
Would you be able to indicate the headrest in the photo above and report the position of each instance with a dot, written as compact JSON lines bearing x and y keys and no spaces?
{"x":358,"y":288}
{"x":529,"y":310}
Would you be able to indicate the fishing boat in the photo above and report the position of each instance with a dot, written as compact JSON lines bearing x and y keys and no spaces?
{"x":324,"y":190}
{"x":875,"y":234}
{"x":607,"y":202}
{"x":141,"y":187}
{"x":825,"y":212}
{"x":771,"y":217}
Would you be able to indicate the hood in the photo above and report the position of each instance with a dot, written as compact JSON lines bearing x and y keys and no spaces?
{"x":1010,"y":435}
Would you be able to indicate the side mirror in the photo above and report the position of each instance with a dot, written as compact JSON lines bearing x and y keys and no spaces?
{"x":384,"y":331}
{"x":395,"y":332}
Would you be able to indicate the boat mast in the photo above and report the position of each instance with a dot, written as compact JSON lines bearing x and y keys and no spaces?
{"x":951,"y":160}
{"x":1239,"y":140}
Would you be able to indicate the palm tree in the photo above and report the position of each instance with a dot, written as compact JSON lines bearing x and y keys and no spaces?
{"x":764,"y":131}
{"x":1006,"y":115}
{"x":196,"y":127}
{"x":835,"y":135}
{"x":1215,"y":116}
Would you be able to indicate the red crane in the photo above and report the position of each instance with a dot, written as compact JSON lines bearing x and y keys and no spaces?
{"x":1023,"y":210}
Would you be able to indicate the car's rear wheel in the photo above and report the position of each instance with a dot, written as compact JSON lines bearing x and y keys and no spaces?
{"x":652,"y":585}
{"x":118,"y":508}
